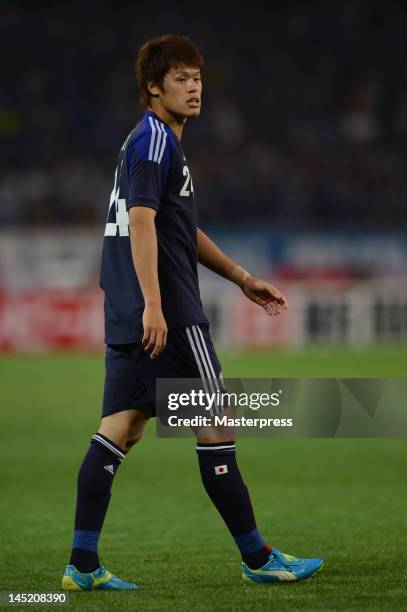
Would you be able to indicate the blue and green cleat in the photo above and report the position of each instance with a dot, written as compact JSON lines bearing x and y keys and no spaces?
{"x":282,"y":568}
{"x":101,"y":580}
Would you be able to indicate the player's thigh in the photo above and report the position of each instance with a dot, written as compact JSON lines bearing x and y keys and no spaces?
{"x":202,"y":356}
{"x":210,"y":370}
{"x":188,"y":354}
{"x":127,"y":403}
{"x":130,"y":382}
{"x":206,"y":366}
{"x":217,"y":433}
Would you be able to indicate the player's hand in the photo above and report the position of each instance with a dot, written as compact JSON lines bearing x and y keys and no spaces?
{"x":155,"y":331}
{"x":265,"y":295}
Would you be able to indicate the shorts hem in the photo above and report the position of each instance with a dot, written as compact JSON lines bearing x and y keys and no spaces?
{"x":106,"y":413}
{"x":139,"y":338}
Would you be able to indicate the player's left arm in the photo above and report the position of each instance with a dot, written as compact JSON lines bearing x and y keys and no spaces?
{"x":257,"y":290}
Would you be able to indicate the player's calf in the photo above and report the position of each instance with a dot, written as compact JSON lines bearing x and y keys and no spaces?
{"x":95,"y":479}
{"x":223,"y":482}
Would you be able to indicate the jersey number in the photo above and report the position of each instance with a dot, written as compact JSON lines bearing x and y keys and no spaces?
{"x":118,"y":217}
{"x":185,"y":191}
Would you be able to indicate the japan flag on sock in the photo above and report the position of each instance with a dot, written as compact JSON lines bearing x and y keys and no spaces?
{"x":221,"y":469}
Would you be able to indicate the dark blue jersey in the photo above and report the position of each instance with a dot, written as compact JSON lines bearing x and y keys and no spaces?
{"x":152,"y":171}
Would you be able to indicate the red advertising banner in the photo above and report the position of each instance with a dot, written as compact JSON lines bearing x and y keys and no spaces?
{"x":48,"y":320}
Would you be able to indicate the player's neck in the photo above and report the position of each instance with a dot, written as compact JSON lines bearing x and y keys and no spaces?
{"x":175,"y":122}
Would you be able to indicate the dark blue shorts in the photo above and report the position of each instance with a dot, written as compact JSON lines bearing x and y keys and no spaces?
{"x":131,"y":374}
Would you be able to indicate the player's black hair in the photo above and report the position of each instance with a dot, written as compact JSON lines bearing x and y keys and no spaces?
{"x":158,"y":55}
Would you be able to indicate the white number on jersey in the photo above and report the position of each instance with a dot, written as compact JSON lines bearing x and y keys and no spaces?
{"x":185,"y":191}
{"x":121,"y":214}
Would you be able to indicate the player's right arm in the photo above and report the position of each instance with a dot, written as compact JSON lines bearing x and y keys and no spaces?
{"x":144,"y":250}
{"x":147,"y":163}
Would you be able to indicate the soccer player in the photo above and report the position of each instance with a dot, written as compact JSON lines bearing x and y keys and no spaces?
{"x":154,"y":322}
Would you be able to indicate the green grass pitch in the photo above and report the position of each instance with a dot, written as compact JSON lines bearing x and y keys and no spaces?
{"x":344,"y":500}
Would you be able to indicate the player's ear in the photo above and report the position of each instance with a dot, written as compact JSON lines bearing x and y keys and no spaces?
{"x":153,"y":89}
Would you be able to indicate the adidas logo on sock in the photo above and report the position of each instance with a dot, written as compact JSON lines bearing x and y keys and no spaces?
{"x":109,"y":468}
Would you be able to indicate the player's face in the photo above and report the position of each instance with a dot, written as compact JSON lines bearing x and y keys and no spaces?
{"x":181,"y":92}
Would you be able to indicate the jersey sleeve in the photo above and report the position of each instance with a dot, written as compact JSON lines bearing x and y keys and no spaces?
{"x":148,"y":158}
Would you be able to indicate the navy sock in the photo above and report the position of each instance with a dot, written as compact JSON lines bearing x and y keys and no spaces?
{"x":224,"y":484}
{"x":95,"y":479}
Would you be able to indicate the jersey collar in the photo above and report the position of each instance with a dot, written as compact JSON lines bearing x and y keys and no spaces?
{"x":154,"y":116}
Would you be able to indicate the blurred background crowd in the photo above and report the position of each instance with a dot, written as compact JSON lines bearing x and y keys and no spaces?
{"x":304,"y":120}
{"x":298,"y":162}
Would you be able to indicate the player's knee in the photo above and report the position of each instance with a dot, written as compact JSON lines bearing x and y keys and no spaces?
{"x":213,"y":435}
{"x":133,"y":437}
{"x":125,"y":428}
{"x":135,"y":430}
